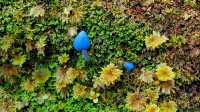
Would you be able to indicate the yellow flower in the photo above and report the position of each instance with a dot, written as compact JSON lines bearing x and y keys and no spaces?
{"x":63,"y":58}
{"x":167,"y":86}
{"x":37,"y":11}
{"x":168,"y":107}
{"x":19,"y":60}
{"x":164,"y":72}
{"x":152,"y":108}
{"x":109,"y":74}
{"x":79,"y":91}
{"x":155,"y":40}
{"x":136,"y":102}
{"x":146,"y":76}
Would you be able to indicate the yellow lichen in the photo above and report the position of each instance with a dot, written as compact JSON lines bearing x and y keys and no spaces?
{"x":66,"y":77}
{"x":155,"y":40}
{"x":37,"y":11}
{"x":136,"y":102}
{"x":168,"y":107}
{"x":109,"y":74}
{"x":152,"y":108}
{"x":146,"y":76}
{"x":164,"y":72}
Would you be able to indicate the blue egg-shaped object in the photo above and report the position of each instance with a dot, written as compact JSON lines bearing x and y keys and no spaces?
{"x":129,"y":66}
{"x":81,"y":42}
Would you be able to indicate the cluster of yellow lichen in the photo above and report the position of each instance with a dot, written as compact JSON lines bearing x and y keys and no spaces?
{"x":108,"y":76}
{"x":66,"y":77}
{"x":39,"y":76}
{"x":139,"y":103}
{"x":72,"y":14}
{"x":163,"y":81}
{"x":164,"y":77}
{"x":155,"y":40}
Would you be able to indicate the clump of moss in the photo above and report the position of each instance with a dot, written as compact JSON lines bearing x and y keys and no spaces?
{"x":19,"y":60}
{"x":6,"y":42}
{"x":164,"y":72}
{"x":72,"y":31}
{"x":135,"y":102}
{"x":37,"y":11}
{"x":167,"y":86}
{"x":8,"y":71}
{"x":169,"y":106}
{"x":63,"y":58}
{"x":109,"y":75}
{"x":79,"y":91}
{"x":40,"y":45}
{"x":72,"y":15}
{"x":152,"y":108}
{"x":146,"y":76}
{"x":152,"y":95}
{"x":29,"y":85}
{"x":7,"y":105}
{"x":155,"y":40}
{"x":41,"y":75}
{"x":66,"y":77}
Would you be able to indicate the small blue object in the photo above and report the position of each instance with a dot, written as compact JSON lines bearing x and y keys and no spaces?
{"x":129,"y":66}
{"x":81,"y":42}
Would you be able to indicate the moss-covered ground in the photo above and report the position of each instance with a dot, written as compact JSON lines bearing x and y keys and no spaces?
{"x":36,"y":52}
